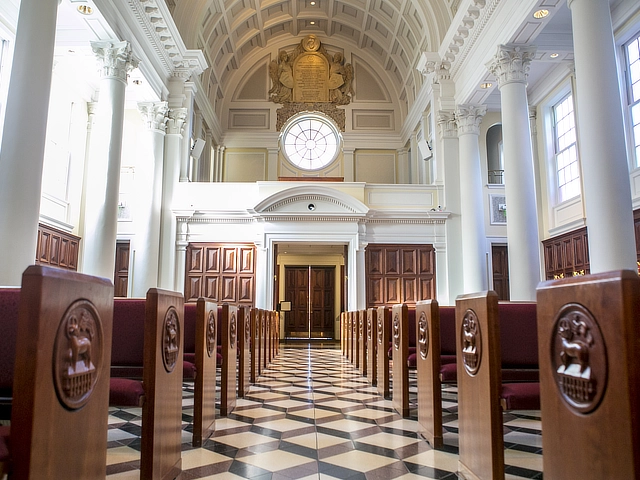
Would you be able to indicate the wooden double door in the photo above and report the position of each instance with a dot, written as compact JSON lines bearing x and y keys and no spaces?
{"x":311,"y":291}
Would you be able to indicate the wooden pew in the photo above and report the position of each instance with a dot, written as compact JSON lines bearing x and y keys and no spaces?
{"x":428,"y":372}
{"x":244,"y":350}
{"x":343,"y":338}
{"x":9,"y":305}
{"x":480,"y":388}
{"x":204,"y":409}
{"x":160,"y":391}
{"x":362,"y":341}
{"x":383,"y":329}
{"x":402,"y":331}
{"x":228,"y":325}
{"x":372,"y":334}
{"x":349,"y":335}
{"x":355,"y":345}
{"x":61,"y":382}
{"x":253,"y":326}
{"x":589,"y":341}
{"x":261,"y":341}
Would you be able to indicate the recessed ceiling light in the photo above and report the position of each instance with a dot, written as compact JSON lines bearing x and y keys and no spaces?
{"x":312,"y":3}
{"x":554,"y":55}
{"x":312,"y":22}
{"x":486,"y":85}
{"x":540,"y":13}
{"x":85,"y":9}
{"x":137,"y":82}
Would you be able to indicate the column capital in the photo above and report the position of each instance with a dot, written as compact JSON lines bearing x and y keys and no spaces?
{"x":431,"y":63}
{"x":511,"y":63}
{"x":447,"y":124}
{"x":175,"y":120}
{"x":116,"y":57}
{"x":469,"y":117}
{"x":154,"y":115}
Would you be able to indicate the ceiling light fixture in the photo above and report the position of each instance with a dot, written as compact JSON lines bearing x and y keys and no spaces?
{"x":312,"y":22}
{"x":312,"y":3}
{"x":540,"y":13}
{"x":85,"y":9}
{"x":486,"y":85}
{"x":554,"y":55}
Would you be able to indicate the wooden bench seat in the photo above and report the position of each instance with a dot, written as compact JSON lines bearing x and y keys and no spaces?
{"x":61,"y":377}
{"x":9,"y":306}
{"x":162,"y":332}
{"x":481,"y":392}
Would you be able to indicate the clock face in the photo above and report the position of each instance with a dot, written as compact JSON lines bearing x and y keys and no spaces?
{"x":310,"y":143}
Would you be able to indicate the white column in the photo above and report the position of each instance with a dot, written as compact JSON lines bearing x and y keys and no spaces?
{"x":348,"y":155}
{"x":170,"y":178}
{"x":361,"y":276}
{"x":272,"y":164}
{"x":402,"y":167}
{"x":146,"y":243}
{"x":185,"y":158}
{"x":197,"y":165}
{"x":264,"y":270}
{"x":182,"y":241}
{"x":25,"y":126}
{"x":451,"y":169}
{"x":511,"y":66}
{"x":103,"y":177}
{"x":415,"y":158}
{"x":603,"y":155}
{"x":221,"y":149}
{"x":474,"y":239}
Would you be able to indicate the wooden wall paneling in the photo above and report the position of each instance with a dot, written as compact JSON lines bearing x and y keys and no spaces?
{"x":375,"y":259}
{"x":392,"y":290}
{"x":211,"y":289}
{"x":246,"y":262}
{"x":375,"y":290}
{"x":57,"y":248}
{"x":212,"y":259}
{"x":409,"y":261}
{"x":194,"y":259}
{"x":567,"y":255}
{"x":409,"y":290}
{"x":229,"y":260}
{"x":392,"y":263}
{"x":229,"y":291}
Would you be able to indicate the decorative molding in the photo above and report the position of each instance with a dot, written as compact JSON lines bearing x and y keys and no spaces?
{"x":511,"y":63}
{"x":290,"y":109}
{"x":154,"y":115}
{"x":117,"y":59}
{"x":471,"y":342}
{"x":447,"y":124}
{"x":469,"y":118}
{"x":170,"y":339}
{"x":176,"y":118}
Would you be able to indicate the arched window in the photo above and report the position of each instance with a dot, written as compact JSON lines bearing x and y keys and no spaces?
{"x":495,"y":163}
{"x":310,"y":141}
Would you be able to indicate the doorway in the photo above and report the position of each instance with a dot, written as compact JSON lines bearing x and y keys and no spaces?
{"x":500,"y":262}
{"x":311,"y":291}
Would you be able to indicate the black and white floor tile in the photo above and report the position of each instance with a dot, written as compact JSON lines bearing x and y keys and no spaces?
{"x":312,"y":416}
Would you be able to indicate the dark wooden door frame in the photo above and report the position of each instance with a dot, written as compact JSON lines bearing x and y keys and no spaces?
{"x":311,"y":291}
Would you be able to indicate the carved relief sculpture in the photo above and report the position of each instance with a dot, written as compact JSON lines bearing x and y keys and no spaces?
{"x":233,"y":331}
{"x":396,"y":331}
{"x":171,"y":340}
{"x":77,"y":354}
{"x":579,"y":358}
{"x":423,"y":336}
{"x":310,"y":76}
{"x":380,"y":329}
{"x":471,"y":342}
{"x":211,"y":333}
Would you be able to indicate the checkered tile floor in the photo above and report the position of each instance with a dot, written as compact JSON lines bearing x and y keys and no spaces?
{"x":311,"y":415}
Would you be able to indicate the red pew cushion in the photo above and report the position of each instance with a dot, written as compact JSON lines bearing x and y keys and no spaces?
{"x":520,"y":396}
{"x":124,"y":392}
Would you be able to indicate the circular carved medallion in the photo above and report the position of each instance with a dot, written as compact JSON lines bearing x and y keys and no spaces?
{"x":77,"y":354}
{"x":170,"y":339}
{"x":579,"y":358}
{"x":380,"y":329}
{"x":423,"y":336}
{"x":396,"y":331}
{"x":247,"y":330}
{"x":360,"y":326}
{"x":211,"y":333}
{"x":471,"y":342}
{"x":233,"y":330}
{"x":369,"y":328}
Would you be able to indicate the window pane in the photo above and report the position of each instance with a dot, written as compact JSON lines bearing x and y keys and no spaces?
{"x":315,"y":141}
{"x":567,"y":169}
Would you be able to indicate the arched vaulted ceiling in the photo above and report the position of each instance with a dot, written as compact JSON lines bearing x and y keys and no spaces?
{"x":392,"y":33}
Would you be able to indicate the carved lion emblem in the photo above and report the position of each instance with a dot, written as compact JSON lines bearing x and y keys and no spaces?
{"x":170,"y":339}
{"x":471,"y":342}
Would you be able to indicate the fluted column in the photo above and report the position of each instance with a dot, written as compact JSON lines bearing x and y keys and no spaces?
{"x":348,"y":155}
{"x":170,"y":178}
{"x":272,"y":164}
{"x":182,"y":242}
{"x":603,"y":155}
{"x":22,"y":157}
{"x":206,"y":156}
{"x":185,"y":157}
{"x":474,"y":239}
{"x":103,"y":176}
{"x":451,"y":166}
{"x":147,"y":240}
{"x":511,"y":66}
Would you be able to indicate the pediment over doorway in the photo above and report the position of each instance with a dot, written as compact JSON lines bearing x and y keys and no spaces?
{"x":311,"y":201}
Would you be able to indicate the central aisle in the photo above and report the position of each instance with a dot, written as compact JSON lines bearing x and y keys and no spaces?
{"x":312,"y":415}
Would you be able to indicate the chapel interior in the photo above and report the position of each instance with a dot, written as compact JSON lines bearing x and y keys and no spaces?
{"x":316,"y":157}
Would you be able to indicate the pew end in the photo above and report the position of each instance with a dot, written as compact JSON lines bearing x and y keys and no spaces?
{"x":590,"y":376}
{"x":61,"y":381}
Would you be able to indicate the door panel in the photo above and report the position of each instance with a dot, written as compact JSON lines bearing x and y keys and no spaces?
{"x":301,"y":285}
